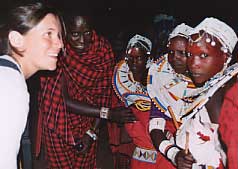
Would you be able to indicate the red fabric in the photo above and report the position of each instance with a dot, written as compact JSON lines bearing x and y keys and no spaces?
{"x":62,"y":155}
{"x":115,"y":133}
{"x":139,"y":130}
{"x":141,"y":138}
{"x":88,"y":77}
{"x":228,"y":125}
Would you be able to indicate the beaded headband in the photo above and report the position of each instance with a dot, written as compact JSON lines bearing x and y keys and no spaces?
{"x":182,"y":30}
{"x":216,"y":28}
{"x":139,"y":39}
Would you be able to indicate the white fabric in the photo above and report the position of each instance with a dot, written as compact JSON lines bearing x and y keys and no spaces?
{"x":136,"y":39}
{"x":224,"y":33}
{"x":14,"y":105}
{"x":203,"y":137}
{"x":167,"y":88}
{"x":180,"y":30}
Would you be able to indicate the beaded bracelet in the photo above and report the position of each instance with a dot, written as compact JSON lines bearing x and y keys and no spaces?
{"x":157,"y":123}
{"x":169,"y":149}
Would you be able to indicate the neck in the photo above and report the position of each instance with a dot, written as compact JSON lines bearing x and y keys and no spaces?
{"x":140,"y":77}
{"x":25,"y":66}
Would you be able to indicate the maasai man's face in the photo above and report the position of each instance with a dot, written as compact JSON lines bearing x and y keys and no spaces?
{"x":137,"y":59}
{"x":177,"y":54}
{"x":204,"y":60}
{"x":79,"y":34}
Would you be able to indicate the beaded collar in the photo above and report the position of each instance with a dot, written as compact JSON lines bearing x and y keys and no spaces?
{"x":209,"y":88}
{"x":128,"y":90}
{"x":167,"y":88}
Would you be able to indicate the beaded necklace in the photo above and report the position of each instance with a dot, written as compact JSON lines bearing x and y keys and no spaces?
{"x":129,"y":90}
{"x":168,"y":88}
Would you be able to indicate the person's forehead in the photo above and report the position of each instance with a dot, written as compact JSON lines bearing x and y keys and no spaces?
{"x":135,"y":51}
{"x":79,"y":21}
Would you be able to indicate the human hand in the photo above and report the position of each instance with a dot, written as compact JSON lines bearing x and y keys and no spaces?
{"x":121,"y":115}
{"x":184,"y":160}
{"x":84,"y":144}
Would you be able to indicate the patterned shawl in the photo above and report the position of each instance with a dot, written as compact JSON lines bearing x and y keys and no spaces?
{"x":88,"y":77}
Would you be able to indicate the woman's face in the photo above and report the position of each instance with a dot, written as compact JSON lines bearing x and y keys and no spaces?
{"x":204,"y":60}
{"x":80,"y":34}
{"x":137,"y":59}
{"x":177,"y":54}
{"x":43,"y":43}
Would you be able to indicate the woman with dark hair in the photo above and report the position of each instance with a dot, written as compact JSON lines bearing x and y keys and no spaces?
{"x":30,"y":41}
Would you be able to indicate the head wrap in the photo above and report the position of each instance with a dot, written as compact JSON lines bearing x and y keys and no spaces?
{"x":143,"y":41}
{"x":224,"y":33}
{"x":182,"y":30}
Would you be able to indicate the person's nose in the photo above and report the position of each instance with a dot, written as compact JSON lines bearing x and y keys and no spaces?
{"x":81,"y":39}
{"x":59,"y":43}
{"x":195,"y":61}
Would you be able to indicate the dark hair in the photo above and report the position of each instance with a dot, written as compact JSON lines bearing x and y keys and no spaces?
{"x":22,"y":18}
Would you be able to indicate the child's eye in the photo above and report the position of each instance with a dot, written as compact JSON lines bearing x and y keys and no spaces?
{"x":203,"y":55}
{"x":188,"y":54}
{"x":182,"y":53}
{"x":171,"y":52}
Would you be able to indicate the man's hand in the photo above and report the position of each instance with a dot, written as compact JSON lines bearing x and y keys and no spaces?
{"x":121,"y":115}
{"x":84,"y":145}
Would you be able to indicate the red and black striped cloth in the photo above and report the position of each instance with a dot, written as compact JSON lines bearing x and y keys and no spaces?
{"x":88,"y":77}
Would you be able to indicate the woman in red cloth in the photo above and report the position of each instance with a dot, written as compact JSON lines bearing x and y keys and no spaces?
{"x":70,"y":99}
{"x":129,"y":82}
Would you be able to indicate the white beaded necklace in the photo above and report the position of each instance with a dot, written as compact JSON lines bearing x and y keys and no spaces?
{"x":129,"y":90}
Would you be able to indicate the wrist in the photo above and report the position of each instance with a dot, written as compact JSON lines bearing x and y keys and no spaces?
{"x":104,"y":112}
{"x":157,"y":123}
{"x":169,"y":149}
{"x":171,"y":154}
{"x":92,"y":134}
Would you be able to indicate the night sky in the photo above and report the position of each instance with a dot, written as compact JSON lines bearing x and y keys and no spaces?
{"x":113,"y":15}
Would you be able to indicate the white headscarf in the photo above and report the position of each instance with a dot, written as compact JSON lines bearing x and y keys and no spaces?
{"x":223,"y":32}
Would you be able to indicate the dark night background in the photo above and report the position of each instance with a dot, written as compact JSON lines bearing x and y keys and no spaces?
{"x":113,"y":15}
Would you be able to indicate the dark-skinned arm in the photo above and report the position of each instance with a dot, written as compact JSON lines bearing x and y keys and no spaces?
{"x":178,"y":156}
{"x":118,"y":114}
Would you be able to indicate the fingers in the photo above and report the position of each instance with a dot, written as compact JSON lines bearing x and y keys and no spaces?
{"x":189,"y":158}
{"x":185,"y":161}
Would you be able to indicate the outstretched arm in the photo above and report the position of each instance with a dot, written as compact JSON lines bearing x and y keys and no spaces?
{"x":119,"y":114}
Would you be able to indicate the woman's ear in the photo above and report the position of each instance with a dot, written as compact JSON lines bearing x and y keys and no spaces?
{"x":16,"y":39}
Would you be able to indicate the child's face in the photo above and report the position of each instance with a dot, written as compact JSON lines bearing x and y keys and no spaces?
{"x":204,"y":60}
